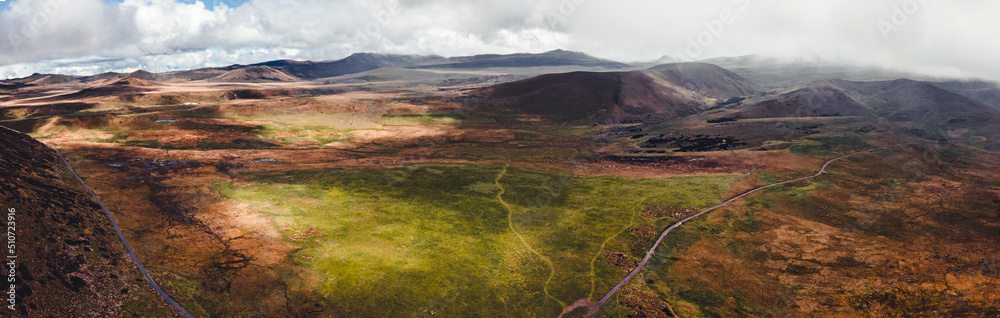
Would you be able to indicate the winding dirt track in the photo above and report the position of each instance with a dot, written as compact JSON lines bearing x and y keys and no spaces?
{"x":596,"y":306}
{"x":128,"y":247}
{"x":510,"y":224}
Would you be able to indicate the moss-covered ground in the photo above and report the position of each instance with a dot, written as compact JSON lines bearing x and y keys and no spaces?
{"x":461,"y":240}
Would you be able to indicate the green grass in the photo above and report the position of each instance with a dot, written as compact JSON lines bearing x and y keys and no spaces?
{"x":420,"y":119}
{"x":828,"y":145}
{"x":189,"y":288}
{"x":309,"y":136}
{"x":461,"y":240}
{"x":494,"y":153}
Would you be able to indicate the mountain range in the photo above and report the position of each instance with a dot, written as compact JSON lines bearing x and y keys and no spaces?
{"x":291,"y":70}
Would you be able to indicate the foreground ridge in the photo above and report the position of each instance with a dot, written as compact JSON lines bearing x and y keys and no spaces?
{"x":594,"y":307}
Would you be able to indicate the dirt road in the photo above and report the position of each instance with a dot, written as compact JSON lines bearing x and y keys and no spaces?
{"x":596,"y":306}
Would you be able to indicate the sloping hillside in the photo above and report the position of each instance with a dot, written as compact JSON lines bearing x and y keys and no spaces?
{"x":355,"y":63}
{"x":42,"y":79}
{"x":897,"y":100}
{"x":551,"y":58}
{"x":254,"y":74}
{"x":70,"y":262}
{"x":982,"y":91}
{"x":706,"y":79}
{"x":362,"y":62}
{"x":143,"y":75}
{"x":909,"y":100}
{"x":660,"y":93}
{"x":197,"y":74}
{"x":110,"y":87}
{"x":820,"y":98}
{"x":931,"y":111}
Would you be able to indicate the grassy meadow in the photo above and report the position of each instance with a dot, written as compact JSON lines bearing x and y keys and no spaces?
{"x":462,"y":240}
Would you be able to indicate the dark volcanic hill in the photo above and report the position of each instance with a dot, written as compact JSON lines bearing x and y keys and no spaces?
{"x":898,"y":100}
{"x":909,"y":100}
{"x":821,"y":98}
{"x":662,"y":92}
{"x":551,"y":58}
{"x":982,"y":91}
{"x":70,"y":262}
{"x":772,"y":73}
{"x":925,"y":106}
{"x":355,"y":63}
{"x":363,"y":62}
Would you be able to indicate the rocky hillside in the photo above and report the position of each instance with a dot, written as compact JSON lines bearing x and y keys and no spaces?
{"x":70,"y":262}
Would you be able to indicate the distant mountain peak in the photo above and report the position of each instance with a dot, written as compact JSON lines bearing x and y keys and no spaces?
{"x":255,"y":73}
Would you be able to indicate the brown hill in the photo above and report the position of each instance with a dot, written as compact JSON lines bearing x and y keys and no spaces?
{"x":258,"y":73}
{"x":197,"y":74}
{"x":70,"y":262}
{"x":659,"y":93}
{"x":42,"y":79}
{"x":140,"y":74}
{"x":110,"y":87}
{"x":820,"y":98}
{"x":133,"y":82}
{"x":706,"y":79}
{"x":144,"y":75}
{"x":54,"y":79}
{"x":102,"y":76}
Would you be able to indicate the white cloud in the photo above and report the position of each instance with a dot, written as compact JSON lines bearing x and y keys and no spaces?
{"x":86,"y":36}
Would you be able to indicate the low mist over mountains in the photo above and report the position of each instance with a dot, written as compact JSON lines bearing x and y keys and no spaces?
{"x":901,"y":100}
{"x":289,"y":70}
{"x":606,"y":91}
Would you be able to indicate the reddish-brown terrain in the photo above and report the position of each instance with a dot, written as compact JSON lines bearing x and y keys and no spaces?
{"x":188,"y":160}
{"x":70,"y":262}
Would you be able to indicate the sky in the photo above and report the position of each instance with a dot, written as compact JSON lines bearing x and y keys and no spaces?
{"x":955,"y":38}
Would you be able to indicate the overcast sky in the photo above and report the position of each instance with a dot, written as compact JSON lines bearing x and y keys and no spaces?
{"x":81,"y":37}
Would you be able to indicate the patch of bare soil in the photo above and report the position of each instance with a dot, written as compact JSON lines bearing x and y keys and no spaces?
{"x":638,"y":238}
{"x":619,"y":260}
{"x":646,"y":303}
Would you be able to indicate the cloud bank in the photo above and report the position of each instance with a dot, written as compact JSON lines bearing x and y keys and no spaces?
{"x":948,"y":38}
